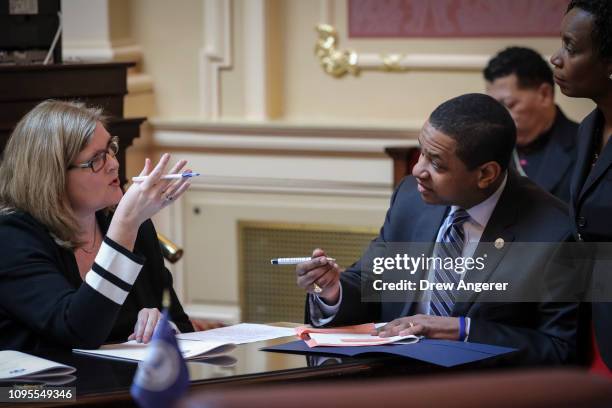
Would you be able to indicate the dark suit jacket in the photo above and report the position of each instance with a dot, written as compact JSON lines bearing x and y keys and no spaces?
{"x":543,"y":332}
{"x":38,"y":289}
{"x":591,"y":212}
{"x":554,"y":171}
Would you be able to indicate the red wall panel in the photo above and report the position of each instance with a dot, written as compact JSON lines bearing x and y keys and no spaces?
{"x":455,"y":18}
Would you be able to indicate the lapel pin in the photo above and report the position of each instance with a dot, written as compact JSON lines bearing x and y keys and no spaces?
{"x":499,"y":243}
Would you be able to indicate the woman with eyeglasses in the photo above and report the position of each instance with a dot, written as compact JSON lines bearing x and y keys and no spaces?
{"x":80,"y":264}
{"x":583,"y":69}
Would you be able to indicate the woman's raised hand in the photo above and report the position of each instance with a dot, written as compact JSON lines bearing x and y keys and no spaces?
{"x":143,"y":200}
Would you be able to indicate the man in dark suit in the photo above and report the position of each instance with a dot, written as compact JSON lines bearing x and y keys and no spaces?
{"x":522,"y":81}
{"x":462,"y":197}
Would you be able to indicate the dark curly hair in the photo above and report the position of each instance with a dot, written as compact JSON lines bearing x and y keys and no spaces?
{"x":601,"y":10}
{"x":529,"y":67}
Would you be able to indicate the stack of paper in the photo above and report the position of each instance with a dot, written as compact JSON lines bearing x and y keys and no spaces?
{"x":134,"y":351}
{"x":197,"y":345}
{"x":18,"y":366}
{"x":240,"y":333}
{"x":359,"y":335}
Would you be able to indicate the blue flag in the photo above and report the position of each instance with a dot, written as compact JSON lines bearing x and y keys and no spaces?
{"x":162,"y":378}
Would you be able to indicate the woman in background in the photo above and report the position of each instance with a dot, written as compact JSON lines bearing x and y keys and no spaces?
{"x":80,"y":264}
{"x":583,"y":69}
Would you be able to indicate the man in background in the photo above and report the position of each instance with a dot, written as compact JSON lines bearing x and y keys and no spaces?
{"x":522,"y":81}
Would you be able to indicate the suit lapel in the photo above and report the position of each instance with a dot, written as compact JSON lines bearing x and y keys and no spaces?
{"x":498,"y":230}
{"x":429,"y":222}
{"x":425,"y":231}
{"x":583,"y":159}
{"x":601,"y":166}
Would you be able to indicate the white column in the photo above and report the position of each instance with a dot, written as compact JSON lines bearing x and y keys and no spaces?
{"x":255,"y":49}
{"x":86,"y":30}
{"x":215,"y":55}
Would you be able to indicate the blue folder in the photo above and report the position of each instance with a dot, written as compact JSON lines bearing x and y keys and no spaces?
{"x":445,"y":353}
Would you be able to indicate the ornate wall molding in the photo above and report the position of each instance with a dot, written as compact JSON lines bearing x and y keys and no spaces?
{"x":215,"y":55}
{"x":255,"y":54}
{"x":178,"y":139}
{"x":338,"y":62}
{"x":283,"y":138}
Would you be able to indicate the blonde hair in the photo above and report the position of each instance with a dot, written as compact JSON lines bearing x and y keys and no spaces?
{"x":33,"y":170}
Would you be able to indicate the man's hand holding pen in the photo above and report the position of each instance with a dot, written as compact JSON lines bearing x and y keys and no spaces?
{"x":320,"y":272}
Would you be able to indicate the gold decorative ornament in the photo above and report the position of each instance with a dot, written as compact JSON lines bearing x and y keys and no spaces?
{"x":339,"y":63}
{"x":391,"y":62}
{"x":334,"y":62}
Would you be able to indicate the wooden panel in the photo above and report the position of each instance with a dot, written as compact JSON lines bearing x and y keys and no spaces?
{"x":404,"y":159}
{"x":127,"y":130}
{"x":24,"y":86}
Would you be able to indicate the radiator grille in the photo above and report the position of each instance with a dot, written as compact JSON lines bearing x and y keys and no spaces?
{"x":269,"y":292}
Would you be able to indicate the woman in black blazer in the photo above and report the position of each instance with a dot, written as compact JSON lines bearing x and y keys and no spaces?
{"x":80,"y":264}
{"x":583,"y":69}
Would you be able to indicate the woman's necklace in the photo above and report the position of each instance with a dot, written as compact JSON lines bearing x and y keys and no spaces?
{"x":93,"y":246}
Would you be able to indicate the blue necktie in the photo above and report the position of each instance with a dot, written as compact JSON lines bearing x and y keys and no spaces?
{"x":451,"y":246}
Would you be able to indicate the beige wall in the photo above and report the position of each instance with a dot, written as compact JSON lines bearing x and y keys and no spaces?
{"x":310,"y":93}
{"x":119,"y":15}
{"x":172,"y":37}
{"x":316,"y":153}
{"x":170,"y":33}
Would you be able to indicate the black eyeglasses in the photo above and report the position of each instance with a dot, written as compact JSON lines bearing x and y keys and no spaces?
{"x":99,"y":160}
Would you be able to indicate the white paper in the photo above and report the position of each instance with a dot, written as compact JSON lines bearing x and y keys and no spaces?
{"x":131,"y":350}
{"x":240,"y":333}
{"x":15,"y":364}
{"x":410,"y":340}
{"x":353,"y":339}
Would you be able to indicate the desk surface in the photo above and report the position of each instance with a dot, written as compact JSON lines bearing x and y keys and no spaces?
{"x":100,"y":382}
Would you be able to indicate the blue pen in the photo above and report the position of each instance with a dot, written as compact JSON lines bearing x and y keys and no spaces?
{"x":187,"y":174}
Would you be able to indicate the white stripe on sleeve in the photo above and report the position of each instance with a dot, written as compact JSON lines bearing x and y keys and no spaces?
{"x":106,"y":288}
{"x":118,"y":264}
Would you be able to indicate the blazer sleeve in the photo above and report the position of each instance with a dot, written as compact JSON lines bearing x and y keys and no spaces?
{"x":551,"y":341}
{"x":35,"y":291}
{"x":352,"y":309}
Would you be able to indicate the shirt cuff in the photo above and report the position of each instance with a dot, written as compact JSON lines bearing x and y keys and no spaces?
{"x":114,"y":271}
{"x":320,"y":312}
{"x":467,"y":328}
